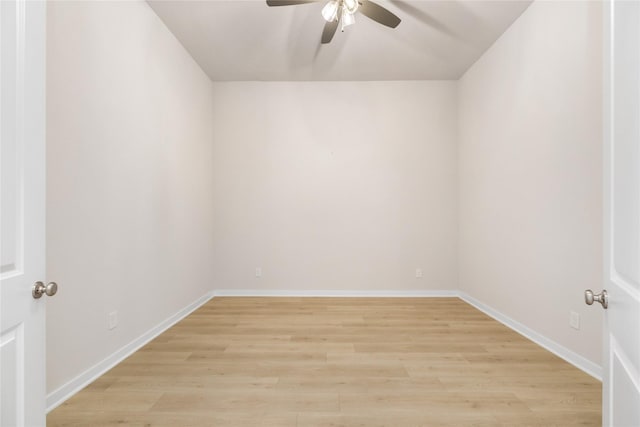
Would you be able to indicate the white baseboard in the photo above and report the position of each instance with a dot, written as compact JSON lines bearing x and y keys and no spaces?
{"x":564,"y":353}
{"x":64,"y":392}
{"x":333,"y":293}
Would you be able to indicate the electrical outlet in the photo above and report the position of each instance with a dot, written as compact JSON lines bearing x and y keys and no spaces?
{"x":418,"y":273}
{"x":574,"y":320}
{"x":112,"y":320}
{"x":258,"y":272}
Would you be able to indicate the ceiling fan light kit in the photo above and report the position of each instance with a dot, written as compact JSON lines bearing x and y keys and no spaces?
{"x":345,"y":9}
{"x":350,"y":5}
{"x":347,"y":19}
{"x":330,"y":11}
{"x":343,"y":12}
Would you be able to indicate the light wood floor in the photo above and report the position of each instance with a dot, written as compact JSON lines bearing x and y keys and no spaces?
{"x":398,"y":362}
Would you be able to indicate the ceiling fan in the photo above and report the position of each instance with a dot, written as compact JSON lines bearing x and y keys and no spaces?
{"x":341,"y":13}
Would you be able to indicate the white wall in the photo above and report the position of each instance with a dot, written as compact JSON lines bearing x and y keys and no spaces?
{"x":531,"y":175}
{"x":129,"y":179}
{"x":335,"y":186}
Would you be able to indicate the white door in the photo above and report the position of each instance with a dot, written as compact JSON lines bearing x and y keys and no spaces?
{"x":621,"y":368}
{"x":22,"y":217}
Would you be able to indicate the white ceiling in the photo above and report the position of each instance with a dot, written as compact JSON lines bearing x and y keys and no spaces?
{"x":247,"y":40}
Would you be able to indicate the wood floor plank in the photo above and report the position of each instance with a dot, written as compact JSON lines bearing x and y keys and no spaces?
{"x":247,"y":401}
{"x":374,"y":362}
{"x":397,"y":418}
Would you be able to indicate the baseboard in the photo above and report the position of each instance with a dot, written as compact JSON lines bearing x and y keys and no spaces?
{"x":564,"y":353}
{"x":64,"y":392}
{"x":333,"y":293}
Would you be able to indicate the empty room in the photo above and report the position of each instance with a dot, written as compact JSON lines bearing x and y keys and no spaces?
{"x":320,"y":213}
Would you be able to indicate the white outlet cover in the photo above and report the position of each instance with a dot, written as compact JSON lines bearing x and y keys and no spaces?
{"x":258,"y":272}
{"x":574,"y":320}
{"x":112,"y":320}
{"x":418,"y":272}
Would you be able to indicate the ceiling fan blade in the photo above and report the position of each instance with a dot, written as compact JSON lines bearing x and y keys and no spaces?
{"x":288,"y":2}
{"x":379,"y":14}
{"x":329,"y":31}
